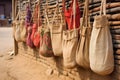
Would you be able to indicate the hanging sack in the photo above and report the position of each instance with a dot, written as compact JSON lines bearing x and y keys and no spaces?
{"x":28,"y":39}
{"x":82,"y":53}
{"x":101,"y":48}
{"x":35,"y":22}
{"x":57,"y":33}
{"x":36,"y":39}
{"x":29,"y":32}
{"x":70,"y":41}
{"x":17,"y":32}
{"x":45,"y":41}
{"x":69,"y":15}
{"x":17,"y":28}
{"x":23,"y":30}
{"x":20,"y":29}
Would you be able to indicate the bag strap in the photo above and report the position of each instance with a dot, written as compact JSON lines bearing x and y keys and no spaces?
{"x":39,"y":13}
{"x":57,"y":9}
{"x":74,"y":13}
{"x":54,"y":13}
{"x":17,"y":15}
{"x":103,"y":7}
{"x":46,"y":15}
{"x":28,"y":8}
{"x":86,"y":20}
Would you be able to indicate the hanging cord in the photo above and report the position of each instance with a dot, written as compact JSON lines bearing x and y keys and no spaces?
{"x":85,"y":14}
{"x":74,"y":13}
{"x":103,"y":7}
{"x":39,"y":13}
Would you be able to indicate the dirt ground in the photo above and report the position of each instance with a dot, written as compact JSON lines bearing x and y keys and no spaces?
{"x":22,"y":68}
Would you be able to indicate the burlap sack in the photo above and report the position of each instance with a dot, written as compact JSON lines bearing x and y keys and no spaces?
{"x":45,"y":39}
{"x":20,"y":29}
{"x":56,"y":36}
{"x":82,"y":53}
{"x":17,"y":32}
{"x":45,"y":43}
{"x":70,"y":42}
{"x":101,"y":48}
{"x":23,"y":31}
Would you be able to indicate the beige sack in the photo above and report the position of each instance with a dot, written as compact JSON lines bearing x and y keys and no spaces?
{"x":101,"y":48}
{"x":16,"y":27}
{"x":82,"y":54}
{"x":23,"y":31}
{"x":56,"y":37}
{"x":70,"y":42}
{"x":17,"y":32}
{"x":20,"y":29}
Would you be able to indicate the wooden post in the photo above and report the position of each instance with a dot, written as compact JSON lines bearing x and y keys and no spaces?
{"x":13,"y":17}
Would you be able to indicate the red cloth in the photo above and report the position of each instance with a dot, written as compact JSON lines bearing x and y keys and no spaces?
{"x":28,"y":39}
{"x":36,"y":40}
{"x":69,"y":16}
{"x":34,"y":29}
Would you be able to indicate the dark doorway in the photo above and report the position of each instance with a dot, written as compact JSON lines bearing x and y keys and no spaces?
{"x":2,"y":9}
{"x":5,"y":12}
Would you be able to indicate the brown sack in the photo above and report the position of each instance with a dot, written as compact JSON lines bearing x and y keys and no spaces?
{"x":46,"y":49}
{"x":101,"y":47}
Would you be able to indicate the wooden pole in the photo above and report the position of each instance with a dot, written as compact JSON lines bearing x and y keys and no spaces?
{"x":109,"y":5}
{"x":13,"y":16}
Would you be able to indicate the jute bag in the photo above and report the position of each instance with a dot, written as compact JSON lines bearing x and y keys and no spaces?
{"x":16,"y":28}
{"x":45,"y":41}
{"x":70,"y":41}
{"x":17,"y":32}
{"x":23,"y":31}
{"x":101,"y":48}
{"x":20,"y":29}
{"x":57,"y":33}
{"x":82,"y":53}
